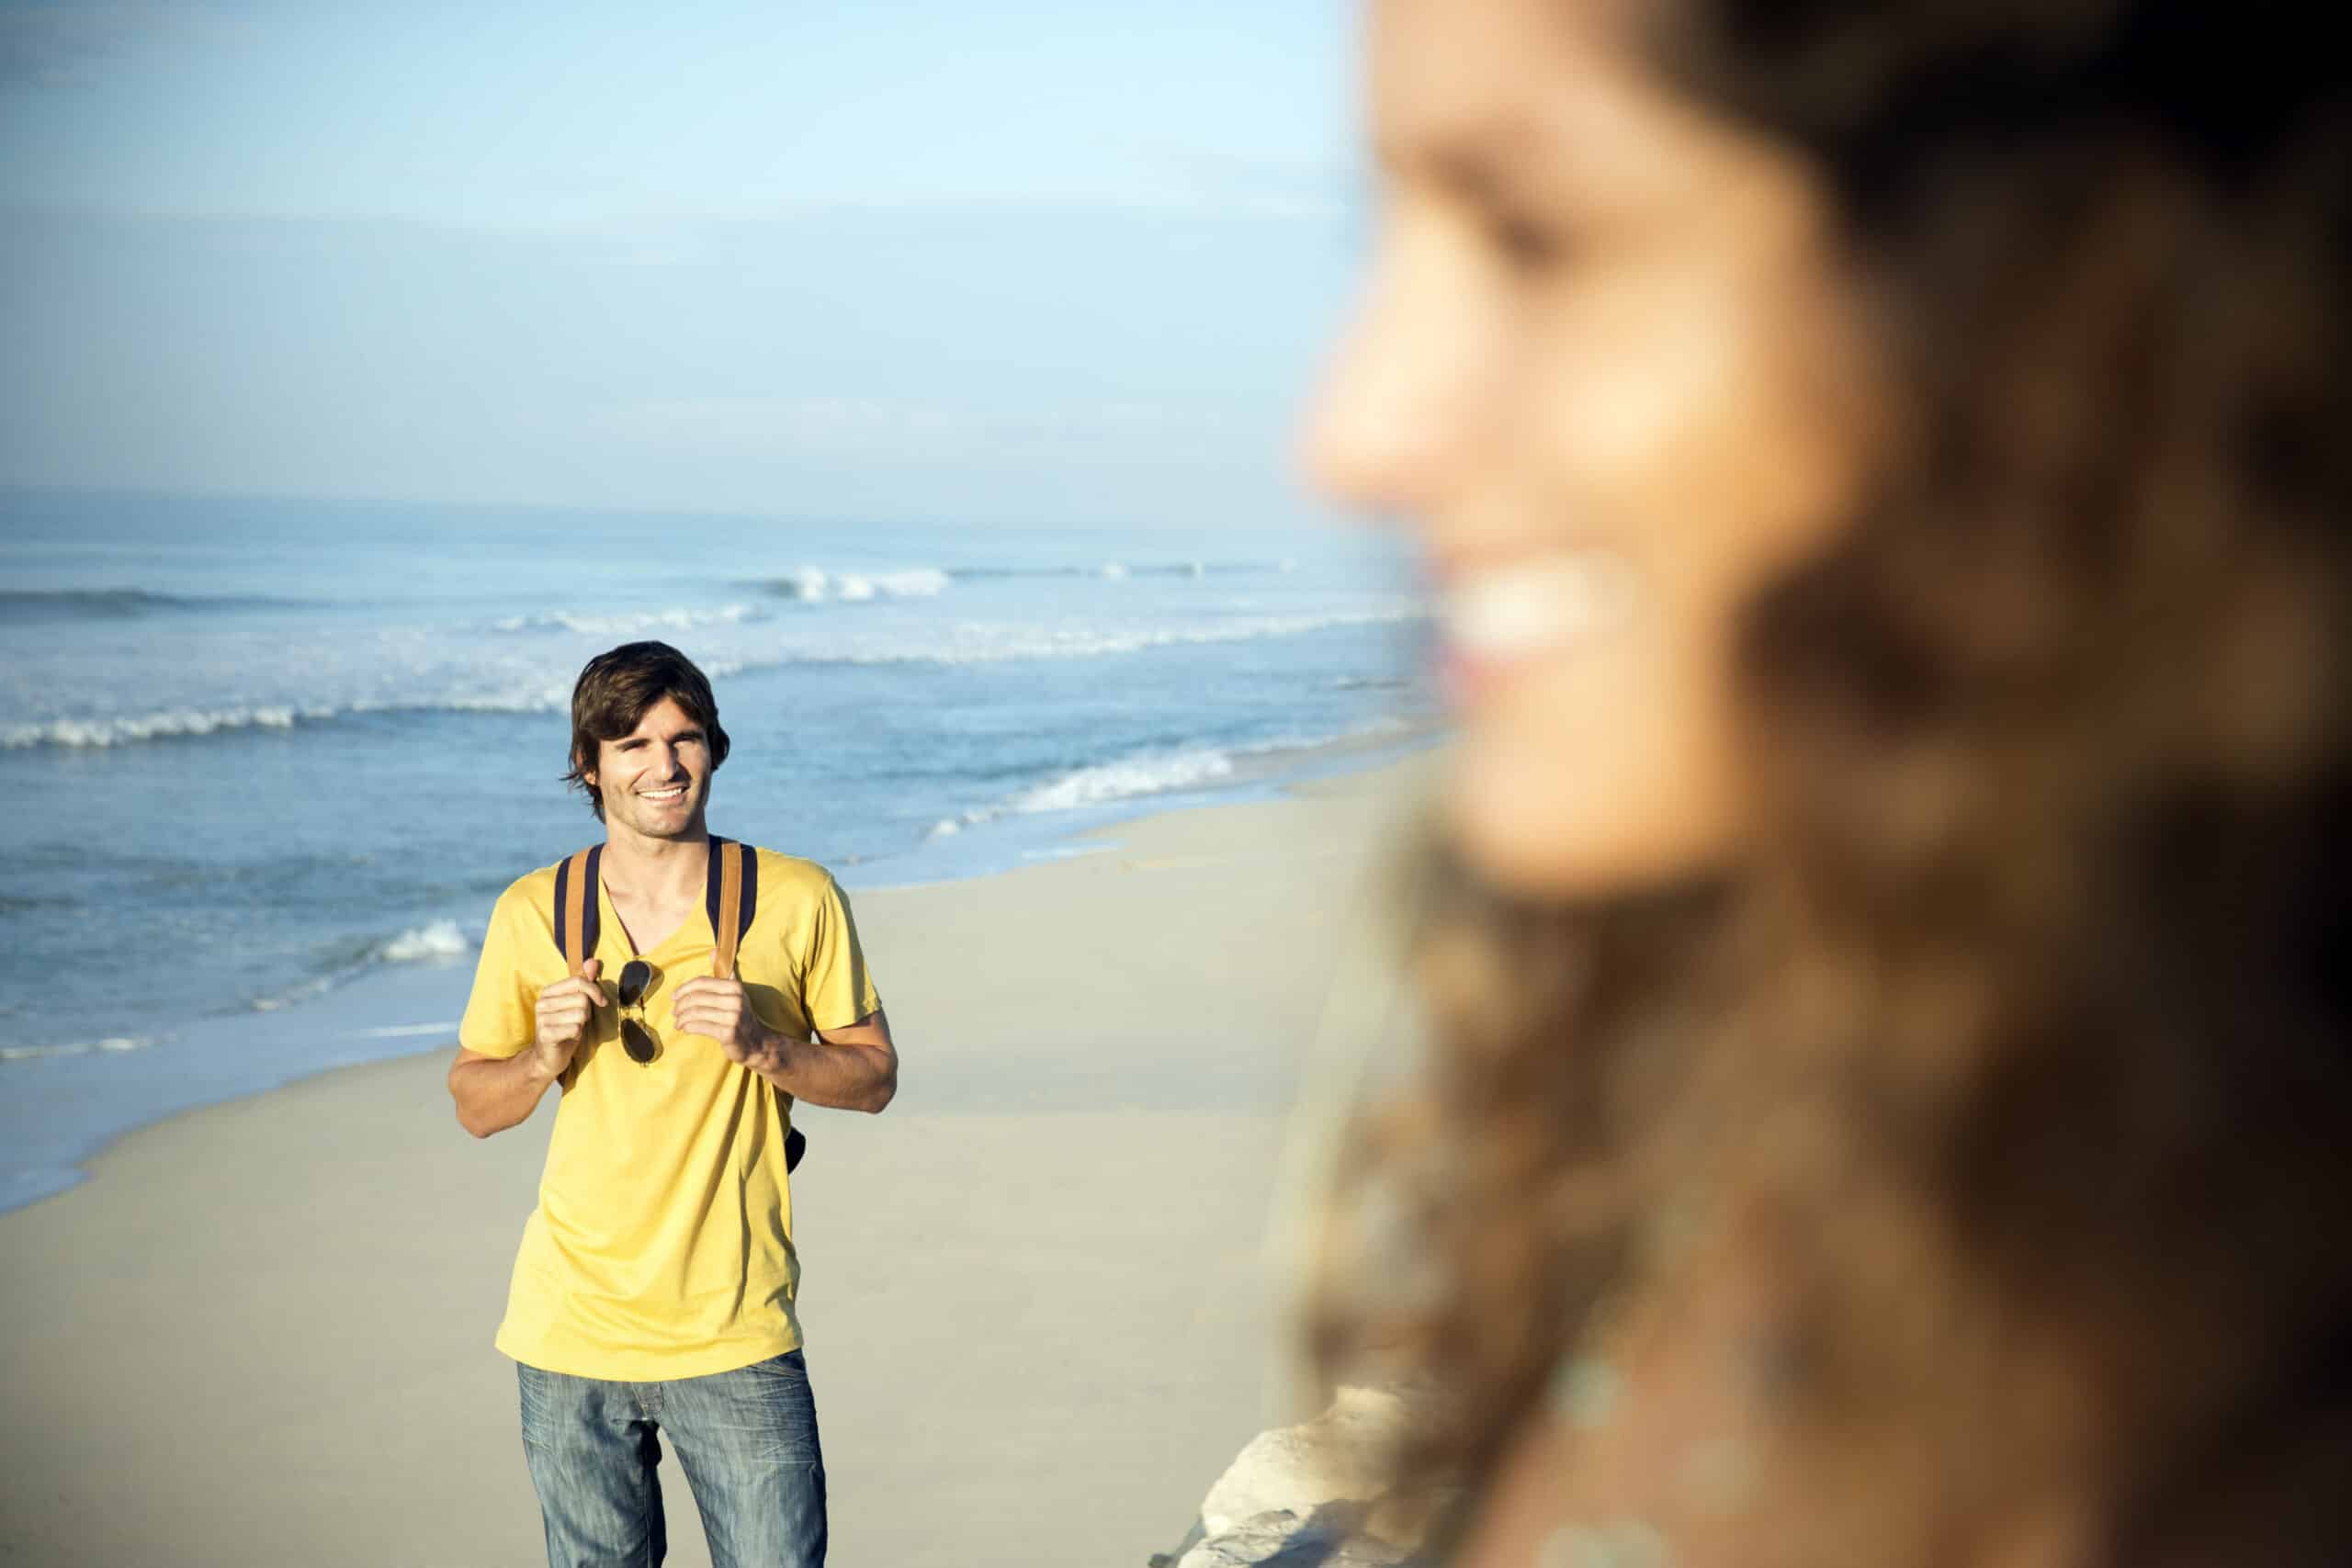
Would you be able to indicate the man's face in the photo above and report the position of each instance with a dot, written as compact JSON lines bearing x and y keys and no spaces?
{"x":655,"y":781}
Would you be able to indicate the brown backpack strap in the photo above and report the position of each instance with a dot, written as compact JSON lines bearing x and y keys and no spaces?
{"x":728,"y":900}
{"x":732,"y":897}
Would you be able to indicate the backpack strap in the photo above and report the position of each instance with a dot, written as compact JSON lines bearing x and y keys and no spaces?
{"x":577,"y":915}
{"x":732,"y":898}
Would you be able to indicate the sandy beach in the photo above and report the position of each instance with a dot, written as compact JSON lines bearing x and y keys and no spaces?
{"x":1039,"y":1311}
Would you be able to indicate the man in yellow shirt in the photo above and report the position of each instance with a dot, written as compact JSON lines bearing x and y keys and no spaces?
{"x":654,"y":1289}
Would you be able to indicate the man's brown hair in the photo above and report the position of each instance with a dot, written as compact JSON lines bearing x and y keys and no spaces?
{"x":615,"y":691}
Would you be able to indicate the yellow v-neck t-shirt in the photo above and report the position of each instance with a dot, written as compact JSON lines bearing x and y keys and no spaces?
{"x":662,"y":1246}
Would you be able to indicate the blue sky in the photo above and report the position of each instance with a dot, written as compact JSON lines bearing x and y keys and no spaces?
{"x":897,"y":258}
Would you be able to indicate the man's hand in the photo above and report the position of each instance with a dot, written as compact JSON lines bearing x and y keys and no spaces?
{"x":851,"y":1069}
{"x":565,"y":1011}
{"x":721,"y":1010}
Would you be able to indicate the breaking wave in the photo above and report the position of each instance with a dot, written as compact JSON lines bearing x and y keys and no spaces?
{"x":974,"y":644}
{"x":124,"y":603}
{"x":111,"y":1044}
{"x":814,"y":585}
{"x":1126,"y":779}
{"x":440,"y":939}
{"x":435,"y":941}
{"x":540,"y":691}
{"x":175,"y":724}
{"x":631,"y":625}
{"x":171,"y":723}
{"x":1118,"y":569}
{"x":1153,"y":773}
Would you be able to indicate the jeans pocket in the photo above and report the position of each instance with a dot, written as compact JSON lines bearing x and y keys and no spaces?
{"x":773,"y":1413}
{"x":540,"y":1396}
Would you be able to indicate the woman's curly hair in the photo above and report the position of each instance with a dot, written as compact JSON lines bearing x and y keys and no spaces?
{"x":2026,"y":1022}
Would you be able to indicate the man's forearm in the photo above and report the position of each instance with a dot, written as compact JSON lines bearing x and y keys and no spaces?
{"x":843,"y":1078}
{"x":493,"y":1095}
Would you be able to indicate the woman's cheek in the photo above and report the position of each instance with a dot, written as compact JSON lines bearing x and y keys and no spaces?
{"x":1603,"y":768}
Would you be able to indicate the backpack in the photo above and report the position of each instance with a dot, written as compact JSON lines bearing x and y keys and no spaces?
{"x":732,"y":899}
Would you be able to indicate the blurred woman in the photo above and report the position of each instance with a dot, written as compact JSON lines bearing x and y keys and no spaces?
{"x":1884,"y":468}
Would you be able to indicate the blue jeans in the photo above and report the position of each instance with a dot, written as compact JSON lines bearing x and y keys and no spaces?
{"x":747,"y":1440}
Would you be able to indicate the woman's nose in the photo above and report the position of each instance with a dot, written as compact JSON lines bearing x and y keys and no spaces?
{"x":1400,"y":399}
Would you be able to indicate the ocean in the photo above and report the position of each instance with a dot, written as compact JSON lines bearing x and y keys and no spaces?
{"x":275,"y":759}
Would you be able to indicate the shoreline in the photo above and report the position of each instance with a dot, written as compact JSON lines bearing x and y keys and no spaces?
{"x":223,"y":1058}
{"x":1039,"y":1306}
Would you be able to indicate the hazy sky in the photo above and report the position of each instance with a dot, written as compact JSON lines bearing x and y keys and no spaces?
{"x":897,"y":258}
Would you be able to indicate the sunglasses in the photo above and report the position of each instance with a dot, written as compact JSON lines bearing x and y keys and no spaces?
{"x":639,"y":1041}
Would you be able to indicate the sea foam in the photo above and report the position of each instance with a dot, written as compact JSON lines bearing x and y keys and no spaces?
{"x":975,"y":643}
{"x":111,"y":1044}
{"x":1125,"y":779}
{"x":441,"y":939}
{"x":478,"y":680}
{"x":678,"y":619}
{"x":167,"y":723}
{"x":813,"y":585}
{"x":1146,"y":774}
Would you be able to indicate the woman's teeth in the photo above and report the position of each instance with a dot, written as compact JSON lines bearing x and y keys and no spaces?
{"x":1513,"y":611}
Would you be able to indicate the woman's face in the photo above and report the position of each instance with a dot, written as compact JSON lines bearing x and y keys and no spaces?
{"x":1608,"y":372}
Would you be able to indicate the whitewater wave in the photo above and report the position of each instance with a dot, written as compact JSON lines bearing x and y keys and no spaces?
{"x":1124,"y":780}
{"x":437,"y":940}
{"x":111,"y":1044}
{"x":405,"y":1031}
{"x":979,"y":644}
{"x":1153,"y":773}
{"x":175,"y":724}
{"x":815,"y":585}
{"x":1101,"y":783}
{"x":953,"y":644}
{"x":169,"y":724}
{"x":278,"y":1000}
{"x":633,"y":624}
{"x":22,"y":605}
{"x":1118,"y":569}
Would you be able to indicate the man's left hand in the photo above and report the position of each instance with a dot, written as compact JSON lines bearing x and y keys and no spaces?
{"x":721,"y":1010}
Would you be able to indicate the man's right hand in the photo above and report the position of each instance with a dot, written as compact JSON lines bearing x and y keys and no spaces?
{"x":565,"y":1011}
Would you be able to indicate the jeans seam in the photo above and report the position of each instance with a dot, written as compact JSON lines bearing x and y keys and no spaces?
{"x":645,"y":1495}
